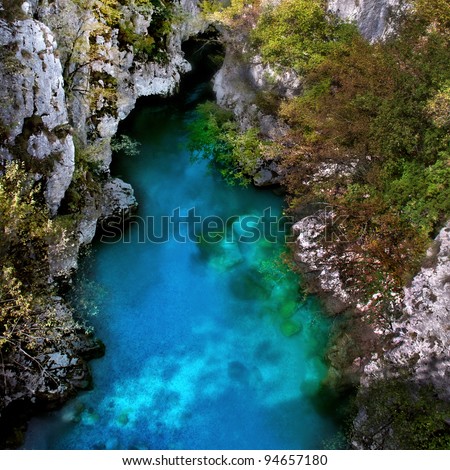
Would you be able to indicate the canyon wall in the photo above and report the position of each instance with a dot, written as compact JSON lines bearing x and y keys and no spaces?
{"x":375,"y":18}
{"x":67,"y":82}
{"x":417,"y":341}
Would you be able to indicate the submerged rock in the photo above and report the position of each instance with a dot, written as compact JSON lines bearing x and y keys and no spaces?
{"x":237,"y":371}
{"x":290,"y":328}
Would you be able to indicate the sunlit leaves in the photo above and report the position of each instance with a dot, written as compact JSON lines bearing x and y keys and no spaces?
{"x":299,"y":34}
{"x":214,"y":135}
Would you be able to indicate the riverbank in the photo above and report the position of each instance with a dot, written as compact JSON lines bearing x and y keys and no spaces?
{"x":70,"y":76}
{"x":337,"y":129}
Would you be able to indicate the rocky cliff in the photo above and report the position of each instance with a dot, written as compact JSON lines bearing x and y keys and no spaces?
{"x":375,"y":18}
{"x":417,"y":341}
{"x":68,"y":79}
{"x":421,"y":337}
{"x":34,"y":112}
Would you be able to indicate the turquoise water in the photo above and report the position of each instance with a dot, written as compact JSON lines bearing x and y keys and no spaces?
{"x":209,"y":346}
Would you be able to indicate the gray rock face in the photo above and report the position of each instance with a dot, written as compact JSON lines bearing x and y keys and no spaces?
{"x":118,"y":198}
{"x":237,"y":84}
{"x":373,"y":17}
{"x":316,"y":262}
{"x":34,"y":105}
{"x":286,"y":83}
{"x":422,"y":335}
{"x":58,"y":374}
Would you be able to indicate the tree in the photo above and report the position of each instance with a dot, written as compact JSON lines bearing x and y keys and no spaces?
{"x":214,"y":135}
{"x":399,"y":414}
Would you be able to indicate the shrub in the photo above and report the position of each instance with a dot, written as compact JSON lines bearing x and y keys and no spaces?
{"x":403,"y":416}
{"x":214,"y":135}
{"x":299,"y":34}
{"x":25,"y":232}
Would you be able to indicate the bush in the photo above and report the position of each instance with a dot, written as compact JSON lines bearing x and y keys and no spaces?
{"x":25,"y":231}
{"x":402,"y":416}
{"x":126,"y":145}
{"x":299,"y":34}
{"x":214,"y":136}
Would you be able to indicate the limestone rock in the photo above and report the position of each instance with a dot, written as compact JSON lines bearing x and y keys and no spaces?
{"x":317,"y":263}
{"x":34,"y":103}
{"x":237,"y":84}
{"x":422,"y":336}
{"x":117,"y":199}
{"x":373,"y":17}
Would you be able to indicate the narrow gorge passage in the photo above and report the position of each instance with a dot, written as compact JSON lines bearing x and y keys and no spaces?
{"x":208,"y":346}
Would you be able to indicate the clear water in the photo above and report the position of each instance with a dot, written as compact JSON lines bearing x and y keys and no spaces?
{"x":208,"y":346}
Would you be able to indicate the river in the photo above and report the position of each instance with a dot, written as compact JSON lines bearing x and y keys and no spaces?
{"x":208,"y":345}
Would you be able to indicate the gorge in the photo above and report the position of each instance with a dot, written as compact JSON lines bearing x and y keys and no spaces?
{"x":228,"y":315}
{"x":199,"y":353}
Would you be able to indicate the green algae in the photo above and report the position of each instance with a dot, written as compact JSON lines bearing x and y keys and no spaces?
{"x":290,"y":328}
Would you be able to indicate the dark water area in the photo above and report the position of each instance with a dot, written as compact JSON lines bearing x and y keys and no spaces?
{"x":208,"y":345}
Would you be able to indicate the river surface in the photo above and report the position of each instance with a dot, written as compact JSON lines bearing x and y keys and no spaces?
{"x":208,"y":345}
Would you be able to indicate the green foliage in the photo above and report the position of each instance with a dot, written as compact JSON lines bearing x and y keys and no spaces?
{"x":153,"y":44}
{"x":86,"y":180}
{"x":142,"y":45}
{"x":299,"y":34}
{"x":421,"y":193}
{"x":25,"y":232}
{"x":24,"y":220}
{"x":232,"y":13}
{"x":386,"y":106}
{"x":438,"y":107}
{"x":435,"y":13}
{"x":389,"y":100}
{"x":214,"y":135}
{"x":402,"y":416}
{"x":126,"y":145}
{"x":12,"y":11}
